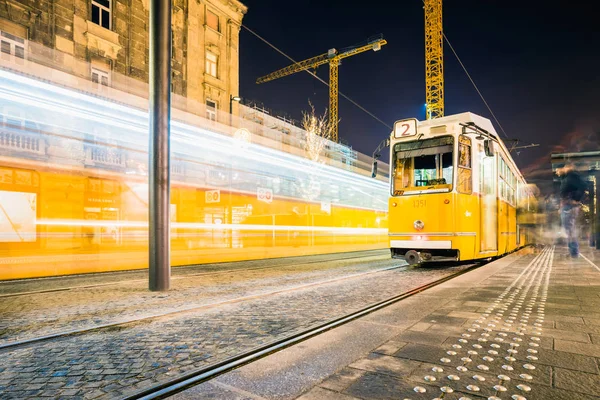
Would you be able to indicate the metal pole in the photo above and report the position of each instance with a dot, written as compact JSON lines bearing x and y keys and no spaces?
{"x":159,"y":171}
{"x":230,"y":110}
{"x":597,"y":219}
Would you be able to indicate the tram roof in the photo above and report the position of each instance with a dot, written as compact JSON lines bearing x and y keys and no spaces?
{"x":481,"y":122}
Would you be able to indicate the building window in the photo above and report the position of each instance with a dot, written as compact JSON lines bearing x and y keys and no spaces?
{"x":12,"y":45}
{"x":211,"y":63}
{"x":211,"y":110}
{"x":212,"y":20}
{"x":101,"y":13}
{"x":101,"y":77}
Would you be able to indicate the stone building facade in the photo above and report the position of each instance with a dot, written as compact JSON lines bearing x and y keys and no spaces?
{"x":107,"y":42}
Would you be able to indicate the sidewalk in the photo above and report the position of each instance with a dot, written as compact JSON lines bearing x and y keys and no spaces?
{"x":524,"y":327}
{"x":531,"y":331}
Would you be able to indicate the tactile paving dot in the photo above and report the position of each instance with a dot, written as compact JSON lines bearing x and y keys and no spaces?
{"x":430,"y":378}
{"x":507,"y":367}
{"x":453,"y":378}
{"x":445,"y":360}
{"x":526,"y":377}
{"x":420,"y":389}
{"x":504,"y":378}
{"x":524,"y":388}
{"x":518,"y":397}
{"x":461,"y":368}
{"x":464,"y":398}
{"x":447,"y":389}
{"x":478,"y":378}
{"x":473,"y":388}
{"x":466,"y":360}
{"x":437,"y":369}
{"x":528,"y":366}
{"x":483,"y":367}
{"x":499,"y":388}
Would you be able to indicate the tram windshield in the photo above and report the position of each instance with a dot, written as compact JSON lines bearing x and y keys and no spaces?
{"x":423,"y":165}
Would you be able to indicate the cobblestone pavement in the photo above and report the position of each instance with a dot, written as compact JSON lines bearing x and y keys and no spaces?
{"x":529,"y":332}
{"x":110,"y":363}
{"x":110,"y":278}
{"x":42,"y":314}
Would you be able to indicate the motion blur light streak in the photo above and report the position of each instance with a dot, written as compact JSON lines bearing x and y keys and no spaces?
{"x":82,"y":160}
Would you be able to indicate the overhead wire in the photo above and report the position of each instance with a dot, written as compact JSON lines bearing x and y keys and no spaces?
{"x":316,"y":76}
{"x":474,"y":85}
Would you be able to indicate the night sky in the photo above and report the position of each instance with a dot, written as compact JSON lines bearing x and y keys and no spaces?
{"x":536,"y":63}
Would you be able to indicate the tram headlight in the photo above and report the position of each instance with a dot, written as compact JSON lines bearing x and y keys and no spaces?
{"x":419,"y":225}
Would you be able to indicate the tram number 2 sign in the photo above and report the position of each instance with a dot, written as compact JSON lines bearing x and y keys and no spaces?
{"x":405,"y":128}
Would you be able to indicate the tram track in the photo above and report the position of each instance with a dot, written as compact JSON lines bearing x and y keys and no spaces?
{"x":177,"y":277}
{"x":146,"y":319}
{"x":196,"y":377}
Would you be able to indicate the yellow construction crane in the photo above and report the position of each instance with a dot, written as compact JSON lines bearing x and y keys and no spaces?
{"x":333,"y":57}
{"x":434,"y":59}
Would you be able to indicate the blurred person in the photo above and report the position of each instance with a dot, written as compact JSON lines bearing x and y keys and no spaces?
{"x":572,"y":190}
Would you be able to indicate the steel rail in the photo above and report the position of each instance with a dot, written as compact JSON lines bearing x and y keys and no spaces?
{"x":76,"y":332}
{"x":177,"y":277}
{"x":186,"y":381}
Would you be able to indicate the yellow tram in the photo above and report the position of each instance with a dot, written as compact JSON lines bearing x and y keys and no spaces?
{"x":455,"y":191}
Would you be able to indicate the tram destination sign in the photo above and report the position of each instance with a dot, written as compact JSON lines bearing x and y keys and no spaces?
{"x":405,"y":128}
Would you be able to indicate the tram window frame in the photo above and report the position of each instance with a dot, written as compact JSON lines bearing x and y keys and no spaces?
{"x":418,"y":148}
{"x":507,"y":182}
{"x":464,"y":169}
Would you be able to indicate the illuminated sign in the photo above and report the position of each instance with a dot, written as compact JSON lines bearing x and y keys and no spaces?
{"x":212,"y":196}
{"x":405,"y":128}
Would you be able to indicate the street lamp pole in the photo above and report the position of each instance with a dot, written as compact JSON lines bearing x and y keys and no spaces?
{"x":232,"y":98}
{"x":158,"y":168}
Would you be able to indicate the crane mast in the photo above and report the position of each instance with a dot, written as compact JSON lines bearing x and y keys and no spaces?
{"x":434,"y":59}
{"x":333,"y":58}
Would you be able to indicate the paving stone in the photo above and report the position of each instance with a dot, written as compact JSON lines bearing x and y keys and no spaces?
{"x":592,"y":350}
{"x":420,"y":337}
{"x":385,"y":365}
{"x":419,"y":352}
{"x":578,"y":327}
{"x":342,"y":379}
{"x":380,"y":386}
{"x":592,"y":321}
{"x":420,"y":326}
{"x":577,"y":381}
{"x":573,"y":336}
{"x":390,"y":348}
{"x":553,"y":393}
{"x":562,"y":359}
{"x":318,"y":393}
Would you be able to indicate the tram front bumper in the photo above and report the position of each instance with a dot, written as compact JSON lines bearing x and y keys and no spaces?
{"x":417,"y":251}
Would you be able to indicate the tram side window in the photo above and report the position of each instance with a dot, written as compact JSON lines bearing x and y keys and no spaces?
{"x":508,"y":183}
{"x":465,"y":175}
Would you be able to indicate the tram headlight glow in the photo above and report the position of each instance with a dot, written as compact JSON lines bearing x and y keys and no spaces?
{"x":419,"y":225}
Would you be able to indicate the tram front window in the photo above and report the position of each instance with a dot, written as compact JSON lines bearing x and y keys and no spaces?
{"x":423,"y":165}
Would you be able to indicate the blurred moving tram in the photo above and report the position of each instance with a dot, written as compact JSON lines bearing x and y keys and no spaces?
{"x":455,"y":192}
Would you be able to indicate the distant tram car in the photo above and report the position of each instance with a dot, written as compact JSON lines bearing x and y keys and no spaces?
{"x":456,"y":193}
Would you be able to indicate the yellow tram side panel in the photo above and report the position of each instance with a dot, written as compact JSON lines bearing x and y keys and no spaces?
{"x":63,"y":195}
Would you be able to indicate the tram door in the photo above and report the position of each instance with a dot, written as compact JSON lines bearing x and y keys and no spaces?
{"x":488,"y":202}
